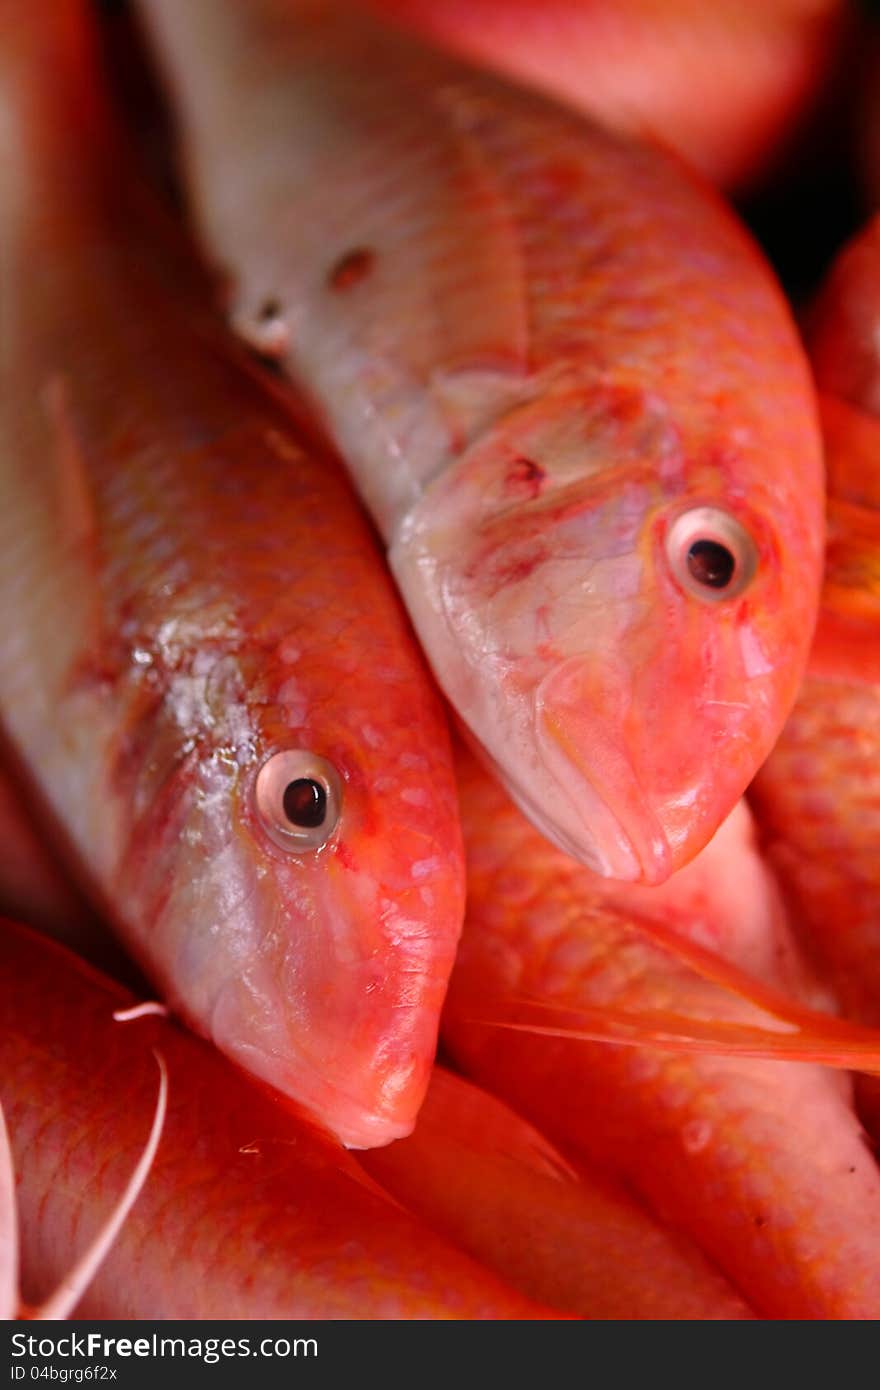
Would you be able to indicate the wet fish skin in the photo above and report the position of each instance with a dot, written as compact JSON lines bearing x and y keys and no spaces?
{"x":248,"y":1212}
{"x":189,"y":590}
{"x":538,"y":346}
{"x":818,"y":796}
{"x":762,"y":1163}
{"x":476,"y":1171}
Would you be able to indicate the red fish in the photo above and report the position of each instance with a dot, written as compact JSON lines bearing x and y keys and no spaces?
{"x":203,"y":665}
{"x":566,"y":385}
{"x":762,"y":1163}
{"x":477,"y":1172}
{"x":818,"y":797}
{"x":247,"y":1212}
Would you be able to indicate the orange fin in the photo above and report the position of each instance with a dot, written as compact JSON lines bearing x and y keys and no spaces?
{"x":844,"y":1045}
{"x":714,"y":968}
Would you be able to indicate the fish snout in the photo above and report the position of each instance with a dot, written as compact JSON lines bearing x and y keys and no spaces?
{"x":339,"y":1007}
{"x":600,"y":795}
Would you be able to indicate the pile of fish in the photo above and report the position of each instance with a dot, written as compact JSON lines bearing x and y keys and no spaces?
{"x":448,"y":398}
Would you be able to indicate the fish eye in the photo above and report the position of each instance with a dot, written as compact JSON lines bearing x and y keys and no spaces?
{"x":298,"y":798}
{"x":711,"y":554}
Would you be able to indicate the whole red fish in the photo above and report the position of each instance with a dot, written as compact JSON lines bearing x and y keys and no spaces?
{"x":203,"y":665}
{"x":726,"y":84}
{"x":763,"y":1163}
{"x":247,"y":1212}
{"x":566,"y":385}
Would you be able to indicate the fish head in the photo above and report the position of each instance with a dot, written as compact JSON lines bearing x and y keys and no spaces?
{"x":620,"y":617}
{"x":311,"y":888}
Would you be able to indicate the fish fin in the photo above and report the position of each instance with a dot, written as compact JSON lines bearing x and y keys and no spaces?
{"x":714,"y":968}
{"x":456,"y":1106}
{"x":73,"y":1286}
{"x":847,"y":1046}
{"x":8,"y":1229}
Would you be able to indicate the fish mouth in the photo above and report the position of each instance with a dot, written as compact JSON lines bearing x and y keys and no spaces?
{"x":569,"y":812}
{"x":346,"y":1105}
{"x":614,"y":831}
{"x":336,"y":1016}
{"x":332,"y":1107}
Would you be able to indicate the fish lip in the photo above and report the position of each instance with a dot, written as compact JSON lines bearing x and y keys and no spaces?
{"x":629,"y":848}
{"x":347,"y":1119}
{"x":364,"y":1097}
{"x":605,"y":846}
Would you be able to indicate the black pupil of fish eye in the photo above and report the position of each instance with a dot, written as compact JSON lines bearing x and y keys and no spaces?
{"x":711,"y":563}
{"x":305,"y":803}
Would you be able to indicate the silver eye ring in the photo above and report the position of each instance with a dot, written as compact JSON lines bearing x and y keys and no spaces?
{"x":711,"y":554}
{"x":298,"y":799}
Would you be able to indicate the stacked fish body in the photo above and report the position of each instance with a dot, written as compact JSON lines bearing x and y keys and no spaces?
{"x":763,"y":1163}
{"x":570,"y":1238}
{"x":255,"y":780}
{"x":565,"y":384}
{"x":818,"y":798}
{"x":572,"y":397}
{"x":248,"y":1212}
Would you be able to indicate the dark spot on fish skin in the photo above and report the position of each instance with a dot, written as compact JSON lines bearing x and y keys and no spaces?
{"x":760,"y":1222}
{"x":351,"y":269}
{"x":270,"y":309}
{"x":525,"y":478}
